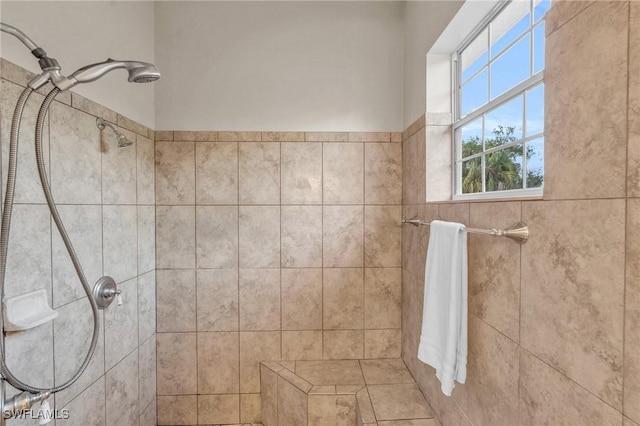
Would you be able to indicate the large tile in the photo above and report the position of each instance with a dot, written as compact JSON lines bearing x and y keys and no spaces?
{"x":301,"y":173}
{"x":178,"y":410}
{"x":382,"y":297}
{"x":301,"y":236}
{"x":572,"y":291}
{"x":302,"y":299}
{"x":382,"y":343}
{"x":259,"y":173}
{"x":365,"y":410}
{"x":413,"y":169}
{"x":633,"y":149}
{"x":400,"y":401}
{"x":339,"y":372}
{"x":176,"y":300}
{"x":292,"y":405}
{"x":415,"y":240}
{"x":30,"y":354}
{"x":632,"y":314}
{"x":336,"y":410}
{"x":494,"y":268}
{"x":218,"y":363}
{"x":176,"y":349}
{"x":146,"y":173}
{"x":75,"y":156}
{"x":343,"y":173}
{"x":412,"y":305}
{"x":343,"y":294}
{"x":268,"y":396}
{"x":250,"y":408}
{"x":149,"y":417}
{"x":217,"y":173}
{"x":121,"y":384}
{"x":343,"y":344}
{"x":175,"y":237}
{"x":382,"y":236}
{"x":119,"y":176}
{"x":343,"y":236}
{"x":120,"y":241}
{"x":218,"y":409}
{"x":383,"y":173}
{"x":217,"y":299}
{"x":255,"y":347}
{"x":28,"y":265}
{"x":121,"y":325}
{"x":84,"y":226}
{"x":217,"y":236}
{"x":28,"y":189}
{"x":330,"y":373}
{"x":175,"y":173}
{"x":259,"y":291}
{"x":259,"y":236}
{"x":586,"y":123}
{"x":146,"y":239}
{"x":548,"y":397}
{"x":385,"y":371}
{"x":89,"y":408}
{"x":146,"y":305}
{"x":563,"y":11}
{"x":147,"y":372}
{"x":302,"y":344}
{"x":73,"y":331}
{"x":492,"y":376}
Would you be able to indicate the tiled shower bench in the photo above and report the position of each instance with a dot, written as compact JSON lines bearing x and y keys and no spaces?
{"x":370,"y":392}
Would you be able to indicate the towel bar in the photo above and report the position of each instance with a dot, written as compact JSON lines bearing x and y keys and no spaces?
{"x":518,"y":232}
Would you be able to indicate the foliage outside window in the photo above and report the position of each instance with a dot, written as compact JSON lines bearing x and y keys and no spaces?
{"x":499,"y":103}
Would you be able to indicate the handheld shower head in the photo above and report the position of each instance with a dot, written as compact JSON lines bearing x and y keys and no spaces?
{"x":139,"y":72}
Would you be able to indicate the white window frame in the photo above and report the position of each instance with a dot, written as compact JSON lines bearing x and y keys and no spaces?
{"x":528,"y":84}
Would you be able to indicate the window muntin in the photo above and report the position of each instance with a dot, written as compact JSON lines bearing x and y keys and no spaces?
{"x":499,"y":101}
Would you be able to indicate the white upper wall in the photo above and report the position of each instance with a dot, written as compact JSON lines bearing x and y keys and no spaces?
{"x":424,"y":22}
{"x":78,"y":33}
{"x":280,"y":65}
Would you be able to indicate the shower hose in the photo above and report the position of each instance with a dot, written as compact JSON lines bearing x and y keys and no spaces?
{"x":4,"y":237}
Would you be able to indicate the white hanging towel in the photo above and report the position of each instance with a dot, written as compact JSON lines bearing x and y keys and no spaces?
{"x":443,"y":341}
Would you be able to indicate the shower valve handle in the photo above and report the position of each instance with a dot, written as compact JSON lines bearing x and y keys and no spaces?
{"x":105,"y":292}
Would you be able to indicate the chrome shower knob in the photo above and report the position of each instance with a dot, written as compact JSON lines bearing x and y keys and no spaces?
{"x":105,"y":292}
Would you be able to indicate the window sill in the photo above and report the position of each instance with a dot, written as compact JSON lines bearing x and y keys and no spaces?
{"x":519,"y":195}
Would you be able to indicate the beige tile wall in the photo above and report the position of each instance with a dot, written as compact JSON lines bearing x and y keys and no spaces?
{"x":553,"y":323}
{"x":271,"y":245}
{"x":106,"y":198}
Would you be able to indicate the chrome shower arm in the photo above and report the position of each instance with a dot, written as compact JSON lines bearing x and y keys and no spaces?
{"x":10,"y":29}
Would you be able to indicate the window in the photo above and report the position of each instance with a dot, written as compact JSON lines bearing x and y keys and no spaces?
{"x":499,"y":104}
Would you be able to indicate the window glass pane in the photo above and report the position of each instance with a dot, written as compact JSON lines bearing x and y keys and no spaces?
{"x":511,"y":68}
{"x":475,"y":93}
{"x":472,"y":138}
{"x":508,"y":25}
{"x":472,"y":176}
{"x":503,"y":169}
{"x":535,"y":110}
{"x":535,"y":163}
{"x":538,"y":48}
{"x":503,"y":124}
{"x":474,"y":56}
{"x":540,"y":7}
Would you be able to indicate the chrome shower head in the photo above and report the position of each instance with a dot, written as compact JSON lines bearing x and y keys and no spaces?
{"x":139,"y":72}
{"x":123,"y":141}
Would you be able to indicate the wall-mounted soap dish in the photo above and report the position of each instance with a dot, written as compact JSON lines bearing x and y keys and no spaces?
{"x":27,"y":311}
